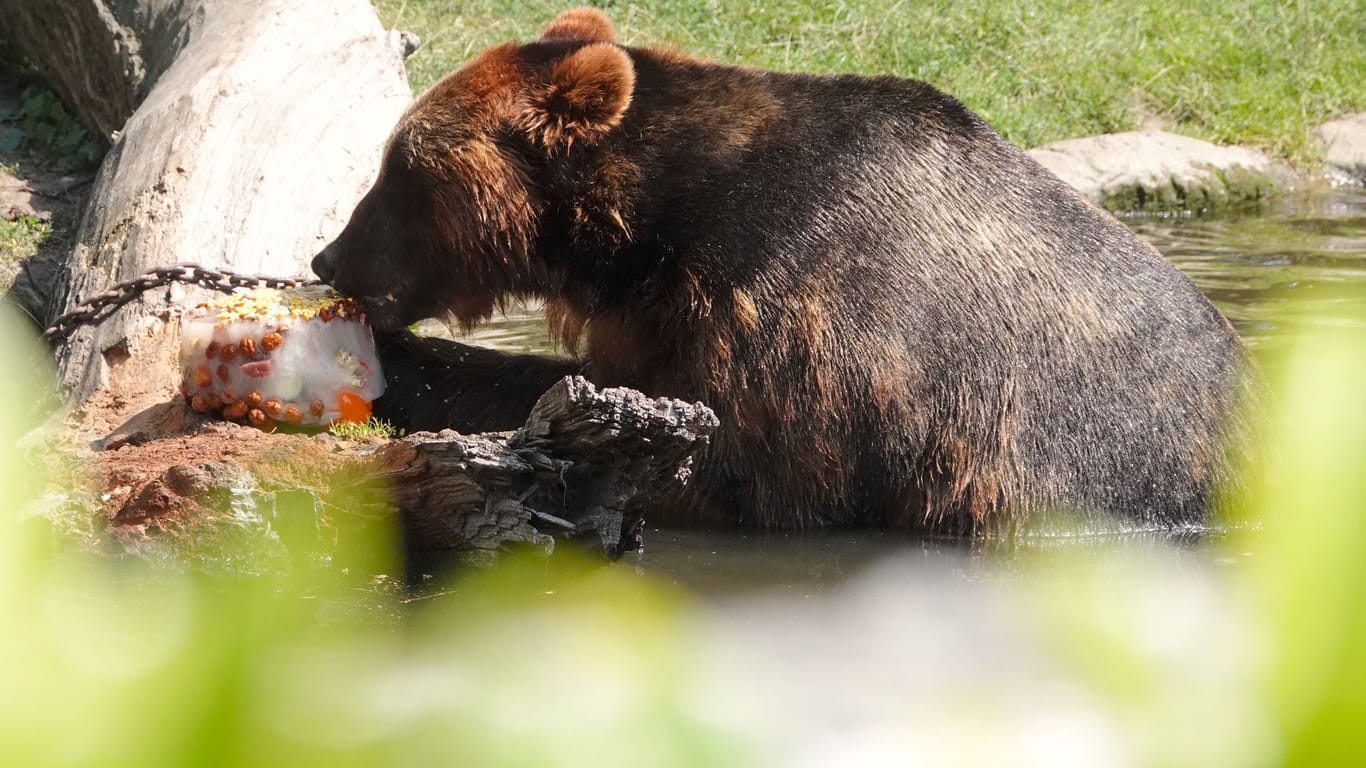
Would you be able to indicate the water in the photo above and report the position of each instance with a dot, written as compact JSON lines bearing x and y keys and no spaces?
{"x":1267,"y":267}
{"x":1271,"y":266}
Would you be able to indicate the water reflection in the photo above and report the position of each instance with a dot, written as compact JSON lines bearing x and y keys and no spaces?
{"x":804,"y":565}
{"x":1270,"y":265}
{"x":819,"y":564}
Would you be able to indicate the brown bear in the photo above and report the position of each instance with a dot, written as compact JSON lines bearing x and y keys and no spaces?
{"x":899,"y":317}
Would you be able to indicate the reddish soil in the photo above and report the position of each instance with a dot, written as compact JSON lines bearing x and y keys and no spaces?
{"x":170,"y":468}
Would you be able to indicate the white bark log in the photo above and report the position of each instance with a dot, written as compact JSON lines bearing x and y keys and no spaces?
{"x":256,"y":137}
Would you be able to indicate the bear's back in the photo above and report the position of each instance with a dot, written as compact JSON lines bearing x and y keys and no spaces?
{"x":965,"y":296}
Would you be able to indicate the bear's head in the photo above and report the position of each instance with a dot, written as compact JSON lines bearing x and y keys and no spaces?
{"x":451,"y":223}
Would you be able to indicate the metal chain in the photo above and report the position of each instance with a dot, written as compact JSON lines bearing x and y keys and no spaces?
{"x":95,"y":309}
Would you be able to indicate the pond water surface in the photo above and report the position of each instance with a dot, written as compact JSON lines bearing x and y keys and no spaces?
{"x":1267,"y":267}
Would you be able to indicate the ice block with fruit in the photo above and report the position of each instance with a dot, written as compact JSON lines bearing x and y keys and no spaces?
{"x":269,"y":356}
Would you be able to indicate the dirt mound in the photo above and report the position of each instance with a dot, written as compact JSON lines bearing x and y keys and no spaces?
{"x":169,"y":468}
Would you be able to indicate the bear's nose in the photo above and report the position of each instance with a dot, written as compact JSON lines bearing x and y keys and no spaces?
{"x":322,"y":266}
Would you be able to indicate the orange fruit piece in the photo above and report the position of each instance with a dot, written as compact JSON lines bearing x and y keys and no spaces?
{"x":353,"y":407}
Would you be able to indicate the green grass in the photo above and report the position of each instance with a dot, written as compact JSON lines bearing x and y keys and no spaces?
{"x":1256,"y":73}
{"x":363,"y":430}
{"x":19,"y":239}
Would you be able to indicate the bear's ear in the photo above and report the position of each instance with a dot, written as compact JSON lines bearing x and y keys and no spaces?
{"x":587,"y":24}
{"x":588,"y":92}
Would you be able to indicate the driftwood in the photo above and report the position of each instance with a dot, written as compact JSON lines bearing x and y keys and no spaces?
{"x":583,"y":457}
{"x":583,"y":460}
{"x":242,"y":134}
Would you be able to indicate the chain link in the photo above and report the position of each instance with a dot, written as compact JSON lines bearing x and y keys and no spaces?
{"x":96,"y":309}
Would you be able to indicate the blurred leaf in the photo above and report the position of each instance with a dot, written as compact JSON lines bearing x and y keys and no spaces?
{"x":1309,"y":575}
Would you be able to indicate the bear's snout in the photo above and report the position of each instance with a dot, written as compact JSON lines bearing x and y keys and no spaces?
{"x":323,"y":266}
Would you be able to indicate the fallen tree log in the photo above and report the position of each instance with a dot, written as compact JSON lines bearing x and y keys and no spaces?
{"x":242,"y":136}
{"x":583,"y":459}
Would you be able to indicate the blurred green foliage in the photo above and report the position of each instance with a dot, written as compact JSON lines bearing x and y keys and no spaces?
{"x":106,"y":661}
{"x":1308,"y":581}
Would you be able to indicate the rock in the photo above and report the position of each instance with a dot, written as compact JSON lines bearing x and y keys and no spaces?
{"x":1156,"y":171}
{"x":188,"y":480}
{"x":154,"y":500}
{"x":1344,"y":149}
